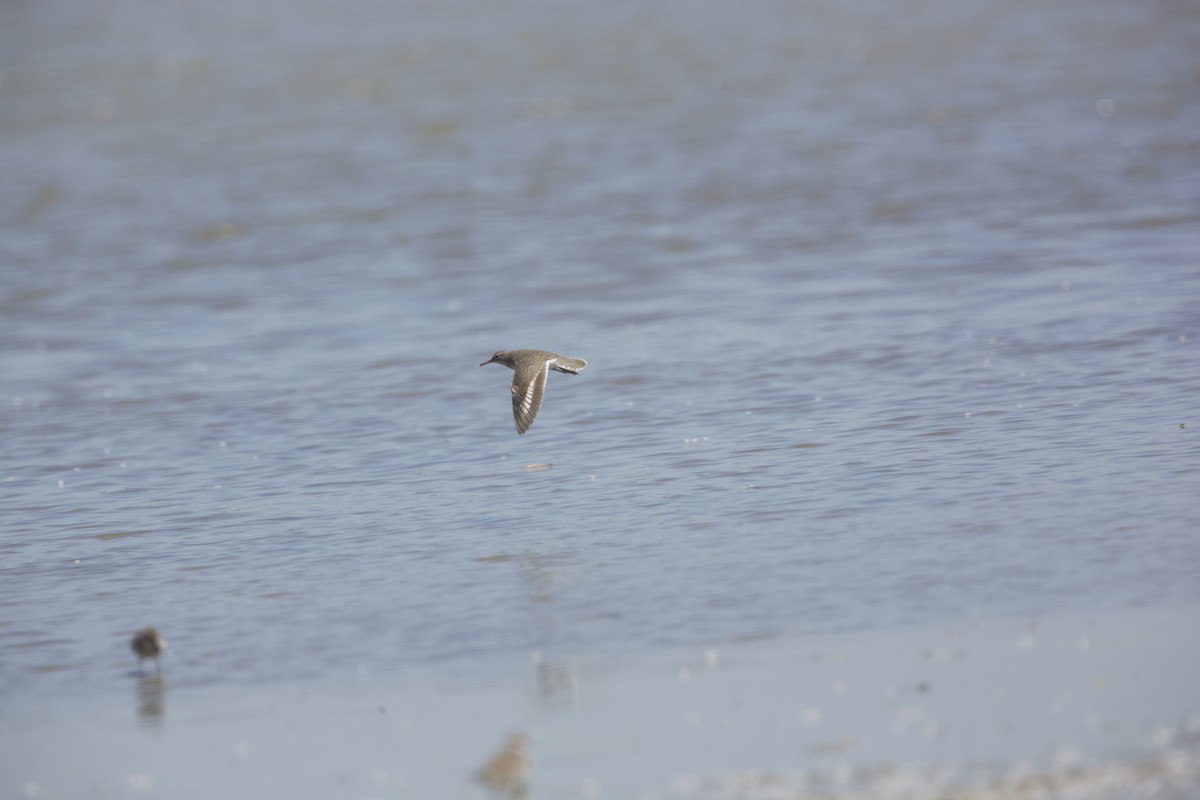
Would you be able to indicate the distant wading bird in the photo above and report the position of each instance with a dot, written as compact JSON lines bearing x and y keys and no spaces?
{"x":507,"y":772}
{"x":146,"y":643}
{"x":530,"y":369}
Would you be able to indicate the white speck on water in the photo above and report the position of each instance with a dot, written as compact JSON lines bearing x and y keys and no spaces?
{"x":1162,"y":737}
{"x":1105,"y":107}
{"x":905,"y":717}
{"x":1067,"y":758}
{"x":141,"y":780}
{"x":61,"y":484}
{"x":685,"y":784}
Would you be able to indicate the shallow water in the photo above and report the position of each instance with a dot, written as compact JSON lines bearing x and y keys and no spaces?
{"x":1079,"y":707}
{"x":891,"y":317}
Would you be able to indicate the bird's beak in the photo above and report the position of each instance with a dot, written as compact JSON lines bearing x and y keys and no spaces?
{"x":490,"y":360}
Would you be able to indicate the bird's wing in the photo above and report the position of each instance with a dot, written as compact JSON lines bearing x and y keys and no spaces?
{"x":528,"y":388}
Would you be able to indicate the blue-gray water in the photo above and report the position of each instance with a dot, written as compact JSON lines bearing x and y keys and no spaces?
{"x":891,"y":314}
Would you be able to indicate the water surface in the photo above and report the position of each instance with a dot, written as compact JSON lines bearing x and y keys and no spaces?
{"x":891,"y":316}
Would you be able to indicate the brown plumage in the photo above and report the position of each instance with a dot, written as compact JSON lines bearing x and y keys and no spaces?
{"x":530,"y":370}
{"x":507,"y":772}
{"x":147,"y":643}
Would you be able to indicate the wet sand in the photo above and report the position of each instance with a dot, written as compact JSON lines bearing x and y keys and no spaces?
{"x":1104,"y":707}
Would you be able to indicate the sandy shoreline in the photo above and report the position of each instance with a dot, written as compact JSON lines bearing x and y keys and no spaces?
{"x":1081,"y":707}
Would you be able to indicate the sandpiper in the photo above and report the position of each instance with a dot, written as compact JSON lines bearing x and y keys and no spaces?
{"x":530,"y":368}
{"x":147,"y":643}
{"x":507,"y":772}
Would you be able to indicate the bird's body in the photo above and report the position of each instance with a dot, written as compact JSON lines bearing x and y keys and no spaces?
{"x":147,"y":643}
{"x":530,"y":370}
{"x":507,"y":772}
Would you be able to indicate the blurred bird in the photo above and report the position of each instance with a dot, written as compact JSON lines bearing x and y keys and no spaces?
{"x":507,"y":772}
{"x":147,"y":643}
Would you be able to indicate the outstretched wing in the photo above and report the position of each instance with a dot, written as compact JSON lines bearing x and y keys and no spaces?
{"x":528,"y":388}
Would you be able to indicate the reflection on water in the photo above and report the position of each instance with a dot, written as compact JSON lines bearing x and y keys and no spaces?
{"x":151,"y":694}
{"x":556,"y":683}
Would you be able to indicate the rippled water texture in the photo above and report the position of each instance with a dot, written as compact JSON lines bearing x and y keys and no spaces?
{"x":890,"y":309}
